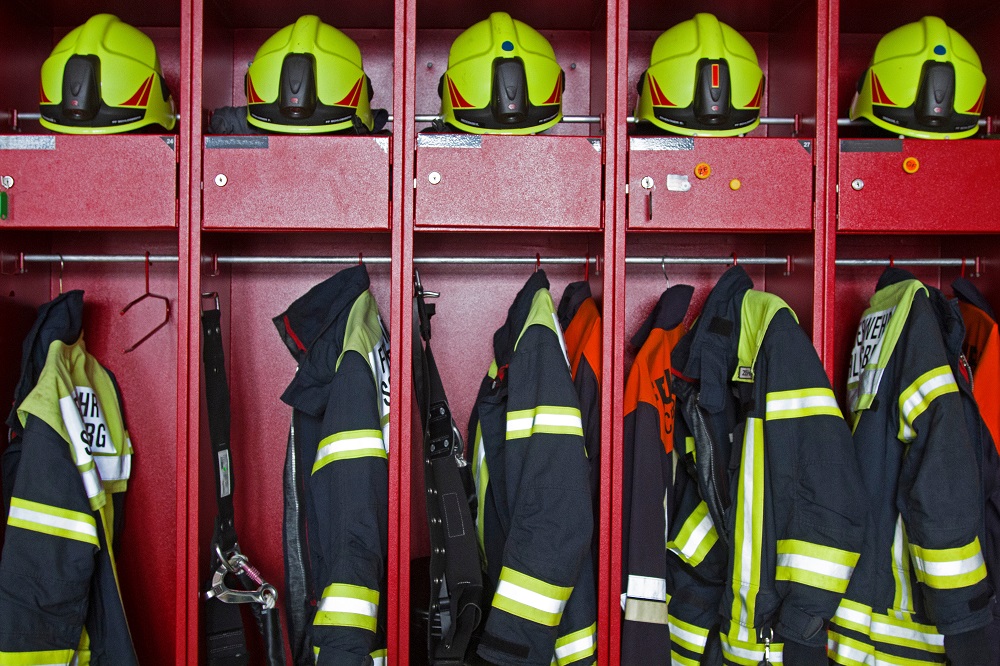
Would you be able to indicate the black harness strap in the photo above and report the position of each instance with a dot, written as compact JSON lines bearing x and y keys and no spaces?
{"x":456,"y":594}
{"x":223,"y":623}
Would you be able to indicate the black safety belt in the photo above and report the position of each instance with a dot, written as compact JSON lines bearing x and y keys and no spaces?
{"x":223,"y":623}
{"x":456,"y":595}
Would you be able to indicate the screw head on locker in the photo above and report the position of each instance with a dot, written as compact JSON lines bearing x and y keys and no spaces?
{"x":646,"y":182}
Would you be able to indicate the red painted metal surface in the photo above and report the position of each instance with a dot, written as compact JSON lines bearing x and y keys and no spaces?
{"x":753,"y":183}
{"x":508,"y":182}
{"x":296,"y":182}
{"x":89,"y":182}
{"x":953,"y":188}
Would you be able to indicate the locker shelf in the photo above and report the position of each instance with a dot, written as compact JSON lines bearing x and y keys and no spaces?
{"x":508,"y":182}
{"x":917,"y":186}
{"x":296,"y":182}
{"x":86,"y":182}
{"x":759,"y":184}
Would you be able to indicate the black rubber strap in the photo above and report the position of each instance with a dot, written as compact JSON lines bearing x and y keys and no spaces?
{"x":454,"y":552}
{"x":223,"y":622}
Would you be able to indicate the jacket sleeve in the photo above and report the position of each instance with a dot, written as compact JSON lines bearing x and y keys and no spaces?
{"x":939,"y":494}
{"x":548,"y":491}
{"x":695,"y":563}
{"x":815,"y":483}
{"x":647,"y":481}
{"x":50,"y":543}
{"x":349,"y":484}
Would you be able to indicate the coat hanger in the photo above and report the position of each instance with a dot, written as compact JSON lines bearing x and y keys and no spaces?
{"x":148,"y":294}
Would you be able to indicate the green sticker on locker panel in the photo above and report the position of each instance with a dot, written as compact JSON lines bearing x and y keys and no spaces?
{"x":3,"y":205}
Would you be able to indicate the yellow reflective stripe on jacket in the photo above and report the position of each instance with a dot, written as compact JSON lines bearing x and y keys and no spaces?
{"x":918,"y":396}
{"x":544,"y":419}
{"x":677,"y":659}
{"x":42,"y":658}
{"x":801,"y":403}
{"x":949,"y":568}
{"x":346,"y":605}
{"x":378,"y":657}
{"x":903,"y":597}
{"x":481,"y":475}
{"x":852,"y":652}
{"x":687,"y":635}
{"x":348,"y":445}
{"x":577,"y":645}
{"x":53,"y":520}
{"x":749,"y":531}
{"x":816,"y":565}
{"x":530,"y":598}
{"x":748,"y":653}
{"x":882,"y":628}
{"x":696,"y":536}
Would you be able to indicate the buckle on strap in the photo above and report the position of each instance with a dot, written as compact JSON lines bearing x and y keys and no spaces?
{"x":239,"y":565}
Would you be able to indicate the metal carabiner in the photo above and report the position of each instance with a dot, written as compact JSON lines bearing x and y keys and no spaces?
{"x":238,"y":564}
{"x":767,"y":647}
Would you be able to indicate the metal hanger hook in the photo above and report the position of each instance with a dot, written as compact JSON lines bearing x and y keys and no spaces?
{"x":148,"y":294}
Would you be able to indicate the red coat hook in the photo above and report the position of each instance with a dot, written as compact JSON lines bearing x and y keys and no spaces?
{"x":736,"y":260}
{"x":148,"y":294}
{"x":892,"y":261}
{"x":538,"y":260}
{"x":586,"y":268}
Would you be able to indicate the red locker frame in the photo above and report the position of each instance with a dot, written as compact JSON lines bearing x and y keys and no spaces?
{"x":111,"y":195}
{"x":575,"y":192}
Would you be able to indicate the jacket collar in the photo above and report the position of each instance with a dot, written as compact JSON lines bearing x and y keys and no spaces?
{"x":966,"y":291}
{"x":59,"y":319}
{"x":573,"y":297}
{"x":517,"y":315}
{"x":668,"y":314}
{"x":708,"y":352}
{"x":308,"y":329}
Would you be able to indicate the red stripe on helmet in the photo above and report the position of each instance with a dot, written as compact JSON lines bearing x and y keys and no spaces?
{"x":556,"y":95}
{"x":977,"y":108}
{"x":758,"y":96}
{"x":457,"y":101}
{"x":878,"y":93}
{"x":44,"y":99}
{"x":351,"y":98}
{"x":715,"y":75}
{"x":659,"y":99}
{"x":252,"y":96}
{"x":138,"y":98}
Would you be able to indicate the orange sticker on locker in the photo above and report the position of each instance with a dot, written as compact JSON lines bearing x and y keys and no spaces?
{"x":911,"y":164}
{"x":702,"y":171}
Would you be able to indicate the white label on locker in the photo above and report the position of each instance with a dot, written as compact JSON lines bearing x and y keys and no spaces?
{"x":225,"y":485}
{"x":678,"y":182}
{"x":27,"y":142}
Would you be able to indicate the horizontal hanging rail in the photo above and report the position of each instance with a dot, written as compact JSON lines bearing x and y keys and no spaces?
{"x":96,"y":258}
{"x":950,"y":262}
{"x":12,"y":116}
{"x":973,"y":263}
